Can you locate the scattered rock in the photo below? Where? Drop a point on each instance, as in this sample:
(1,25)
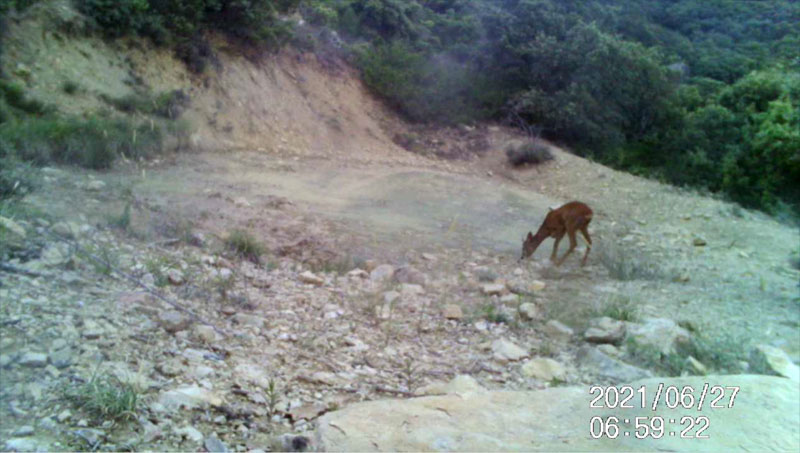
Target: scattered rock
(191,433)
(537,285)
(505,351)
(429,257)
(214,445)
(68,230)
(249,320)
(528,311)
(605,330)
(699,242)
(55,254)
(290,442)
(411,289)
(64,415)
(661,333)
(241,202)
(382,273)
(557,330)
(175,277)
(12,226)
(484,274)
(509,299)
(22,444)
(33,359)
(544,369)
(23,431)
(493,289)
(322,377)
(604,366)
(696,366)
(95,185)
(775,360)
(459,385)
(358,273)
(355,343)
(206,334)
(609,349)
(189,397)
(452,311)
(308,277)
(174,321)
(383,312)
(409,274)
(390,296)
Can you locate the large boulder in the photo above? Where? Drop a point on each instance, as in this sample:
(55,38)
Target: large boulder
(606,367)
(557,419)
(605,330)
(661,333)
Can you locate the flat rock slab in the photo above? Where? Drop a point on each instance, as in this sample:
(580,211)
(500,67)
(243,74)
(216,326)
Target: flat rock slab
(765,417)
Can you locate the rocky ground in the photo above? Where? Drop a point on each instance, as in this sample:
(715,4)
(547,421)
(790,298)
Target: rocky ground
(227,352)
(388,269)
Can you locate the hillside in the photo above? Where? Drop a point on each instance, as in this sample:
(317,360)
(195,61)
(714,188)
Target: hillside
(282,274)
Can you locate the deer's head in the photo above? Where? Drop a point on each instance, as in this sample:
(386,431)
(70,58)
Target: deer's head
(531,243)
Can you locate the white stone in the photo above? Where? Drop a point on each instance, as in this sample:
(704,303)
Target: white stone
(311,279)
(544,369)
(558,330)
(528,311)
(505,351)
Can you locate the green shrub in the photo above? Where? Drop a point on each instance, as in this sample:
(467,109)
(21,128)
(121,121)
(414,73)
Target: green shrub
(183,22)
(528,154)
(17,178)
(169,104)
(718,354)
(14,97)
(245,245)
(70,87)
(105,398)
(92,143)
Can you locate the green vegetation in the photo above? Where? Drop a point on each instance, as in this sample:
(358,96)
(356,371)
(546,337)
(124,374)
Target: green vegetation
(183,23)
(169,104)
(621,308)
(697,93)
(93,142)
(32,131)
(718,354)
(245,245)
(492,314)
(105,398)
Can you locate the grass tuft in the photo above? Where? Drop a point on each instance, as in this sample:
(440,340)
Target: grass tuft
(105,398)
(245,245)
(528,154)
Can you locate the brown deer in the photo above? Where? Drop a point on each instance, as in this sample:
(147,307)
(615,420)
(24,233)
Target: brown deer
(573,216)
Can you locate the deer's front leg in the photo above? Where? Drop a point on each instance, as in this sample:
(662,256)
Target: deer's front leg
(555,247)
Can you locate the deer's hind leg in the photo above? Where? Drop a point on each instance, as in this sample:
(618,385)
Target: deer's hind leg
(585,233)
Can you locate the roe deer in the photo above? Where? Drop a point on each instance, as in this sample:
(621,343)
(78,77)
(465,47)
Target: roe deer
(573,216)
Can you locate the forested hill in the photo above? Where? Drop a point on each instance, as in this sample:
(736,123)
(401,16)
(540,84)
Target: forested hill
(703,93)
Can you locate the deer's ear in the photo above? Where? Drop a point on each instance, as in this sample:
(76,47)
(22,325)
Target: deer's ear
(530,235)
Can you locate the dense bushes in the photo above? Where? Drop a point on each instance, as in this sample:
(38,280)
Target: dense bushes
(31,131)
(695,93)
(92,143)
(182,23)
